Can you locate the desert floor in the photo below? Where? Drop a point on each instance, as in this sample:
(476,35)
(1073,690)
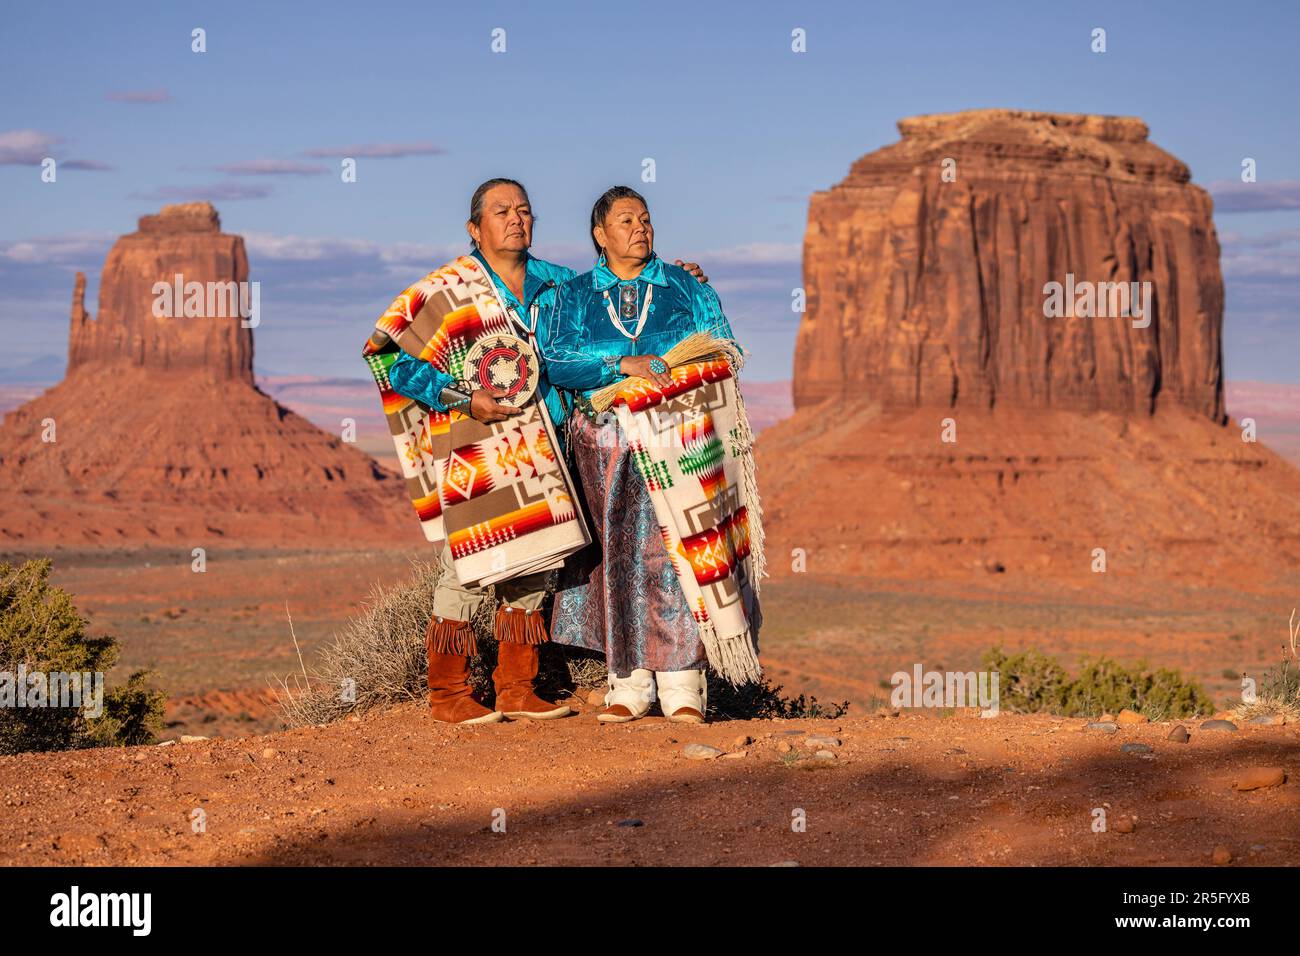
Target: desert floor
(394,788)
(945,787)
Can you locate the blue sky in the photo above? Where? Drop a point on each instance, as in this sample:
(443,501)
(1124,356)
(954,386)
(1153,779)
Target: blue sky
(741,130)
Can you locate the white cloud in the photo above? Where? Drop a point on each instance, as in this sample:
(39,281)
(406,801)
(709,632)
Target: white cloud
(57,250)
(22,146)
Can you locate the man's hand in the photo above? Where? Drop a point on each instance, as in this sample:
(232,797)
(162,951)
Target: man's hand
(640,365)
(484,407)
(694,269)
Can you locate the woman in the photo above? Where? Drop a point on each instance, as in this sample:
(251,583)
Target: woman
(616,321)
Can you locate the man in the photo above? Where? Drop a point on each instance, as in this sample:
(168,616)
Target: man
(500,225)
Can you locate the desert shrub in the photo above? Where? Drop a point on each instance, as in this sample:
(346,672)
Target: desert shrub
(380,658)
(41,631)
(1033,682)
(1028,682)
(761,700)
(1278,694)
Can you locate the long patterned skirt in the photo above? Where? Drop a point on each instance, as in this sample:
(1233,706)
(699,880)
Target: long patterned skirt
(620,595)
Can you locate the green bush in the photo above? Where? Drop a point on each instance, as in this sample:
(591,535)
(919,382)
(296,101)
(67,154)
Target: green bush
(41,630)
(1033,682)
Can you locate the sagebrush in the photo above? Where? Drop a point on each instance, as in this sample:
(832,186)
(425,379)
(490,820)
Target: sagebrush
(41,632)
(379,659)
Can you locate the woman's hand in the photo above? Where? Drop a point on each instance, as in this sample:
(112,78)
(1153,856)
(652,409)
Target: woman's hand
(640,365)
(484,407)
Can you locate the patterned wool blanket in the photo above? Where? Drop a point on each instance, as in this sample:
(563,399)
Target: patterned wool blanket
(500,494)
(693,445)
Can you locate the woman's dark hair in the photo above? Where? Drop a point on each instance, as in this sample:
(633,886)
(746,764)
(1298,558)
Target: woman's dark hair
(476,201)
(603,204)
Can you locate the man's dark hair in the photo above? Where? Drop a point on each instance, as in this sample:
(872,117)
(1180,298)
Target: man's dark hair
(476,201)
(603,204)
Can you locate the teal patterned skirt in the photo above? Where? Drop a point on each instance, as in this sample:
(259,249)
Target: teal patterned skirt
(620,595)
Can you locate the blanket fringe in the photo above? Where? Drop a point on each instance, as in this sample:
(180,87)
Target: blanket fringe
(733,657)
(749,494)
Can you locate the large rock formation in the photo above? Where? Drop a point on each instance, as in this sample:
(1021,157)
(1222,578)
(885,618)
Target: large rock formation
(182,241)
(926,270)
(945,426)
(158,433)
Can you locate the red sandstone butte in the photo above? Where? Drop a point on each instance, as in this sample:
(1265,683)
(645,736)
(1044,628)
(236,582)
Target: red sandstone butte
(162,436)
(945,427)
(923,291)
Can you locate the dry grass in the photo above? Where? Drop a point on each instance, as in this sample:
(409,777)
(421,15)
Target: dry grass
(379,658)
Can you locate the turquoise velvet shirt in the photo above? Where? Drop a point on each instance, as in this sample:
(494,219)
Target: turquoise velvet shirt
(419,380)
(581,343)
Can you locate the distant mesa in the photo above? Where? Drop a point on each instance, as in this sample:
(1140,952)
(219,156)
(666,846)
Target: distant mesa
(161,435)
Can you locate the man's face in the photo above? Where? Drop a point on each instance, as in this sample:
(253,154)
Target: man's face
(506,224)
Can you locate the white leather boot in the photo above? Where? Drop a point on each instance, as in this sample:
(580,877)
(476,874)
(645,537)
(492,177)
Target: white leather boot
(683,695)
(628,698)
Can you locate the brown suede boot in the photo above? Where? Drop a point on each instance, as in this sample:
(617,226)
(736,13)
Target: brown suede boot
(519,633)
(449,644)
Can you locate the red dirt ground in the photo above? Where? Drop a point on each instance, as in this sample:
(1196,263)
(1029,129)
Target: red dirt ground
(396,788)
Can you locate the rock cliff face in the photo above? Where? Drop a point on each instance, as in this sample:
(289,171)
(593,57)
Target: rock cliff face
(928,268)
(158,433)
(182,240)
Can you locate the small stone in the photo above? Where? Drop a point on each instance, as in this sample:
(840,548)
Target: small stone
(630,823)
(1106,726)
(1221,855)
(1179,735)
(744,740)
(701,752)
(1257,778)
(268,753)
(1135,749)
(1217,724)
(738,755)
(783,746)
(1124,825)
(191,739)
(1129,717)
(824,755)
(1105,718)
(887,712)
(786,863)
(822,740)
(597,697)
(167,743)
(1268,720)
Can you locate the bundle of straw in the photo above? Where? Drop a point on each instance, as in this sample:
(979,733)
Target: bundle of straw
(696,347)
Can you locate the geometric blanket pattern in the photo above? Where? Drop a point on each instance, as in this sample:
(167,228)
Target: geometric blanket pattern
(498,493)
(693,446)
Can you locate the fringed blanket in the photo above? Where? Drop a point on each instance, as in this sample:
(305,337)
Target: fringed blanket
(499,494)
(694,447)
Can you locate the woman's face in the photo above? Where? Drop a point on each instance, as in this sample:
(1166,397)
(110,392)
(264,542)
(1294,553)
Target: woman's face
(506,224)
(627,233)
